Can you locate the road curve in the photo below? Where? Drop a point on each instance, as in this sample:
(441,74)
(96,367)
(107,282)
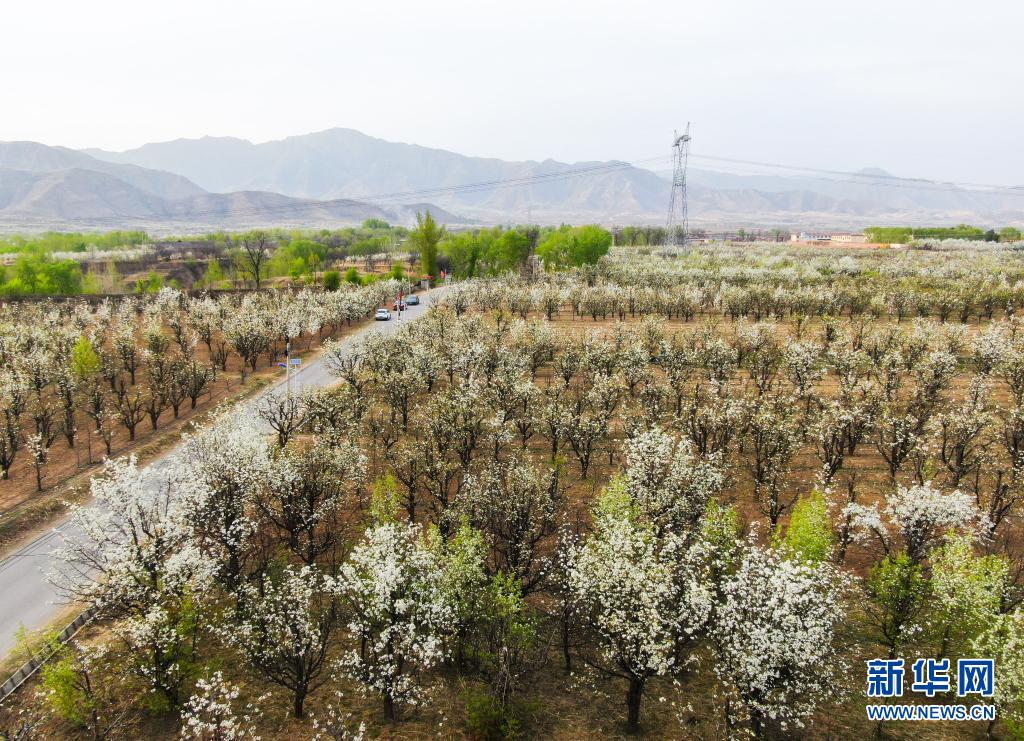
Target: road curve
(27,599)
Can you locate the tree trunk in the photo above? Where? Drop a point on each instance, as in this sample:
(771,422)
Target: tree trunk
(756,723)
(566,653)
(633,696)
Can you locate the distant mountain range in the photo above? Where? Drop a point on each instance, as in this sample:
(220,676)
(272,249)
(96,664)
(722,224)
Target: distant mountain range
(868,195)
(343,163)
(342,176)
(43,187)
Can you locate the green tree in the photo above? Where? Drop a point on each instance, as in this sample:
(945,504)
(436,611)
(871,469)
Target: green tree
(573,247)
(465,584)
(332,280)
(506,653)
(79,689)
(255,252)
(90,283)
(903,234)
(1003,641)
(510,251)
(424,239)
(809,535)
(84,360)
(969,591)
(297,258)
(384,500)
(365,247)
(38,273)
(153,283)
(214,274)
(464,251)
(720,530)
(897,594)
(28,271)
(62,277)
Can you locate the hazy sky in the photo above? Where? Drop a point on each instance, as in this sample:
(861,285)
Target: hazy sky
(931,88)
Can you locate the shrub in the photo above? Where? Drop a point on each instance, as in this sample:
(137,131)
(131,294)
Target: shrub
(488,720)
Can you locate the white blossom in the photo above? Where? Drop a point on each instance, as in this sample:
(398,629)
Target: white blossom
(774,631)
(919,516)
(391,584)
(210,713)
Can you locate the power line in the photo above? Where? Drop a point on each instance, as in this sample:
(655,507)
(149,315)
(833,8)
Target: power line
(506,182)
(882,180)
(391,197)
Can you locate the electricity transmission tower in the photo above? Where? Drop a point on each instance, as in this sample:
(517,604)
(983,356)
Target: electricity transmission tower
(677,218)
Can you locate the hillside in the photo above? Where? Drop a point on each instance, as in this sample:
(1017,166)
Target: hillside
(73,195)
(35,157)
(873,192)
(81,198)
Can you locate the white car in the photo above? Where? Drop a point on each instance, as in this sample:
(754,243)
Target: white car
(382,315)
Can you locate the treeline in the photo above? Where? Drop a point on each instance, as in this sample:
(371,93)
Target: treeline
(47,264)
(372,237)
(904,234)
(643,236)
(640,236)
(38,273)
(498,250)
(489,251)
(296,253)
(41,264)
(72,241)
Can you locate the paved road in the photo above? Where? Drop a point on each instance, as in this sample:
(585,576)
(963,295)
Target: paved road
(26,598)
